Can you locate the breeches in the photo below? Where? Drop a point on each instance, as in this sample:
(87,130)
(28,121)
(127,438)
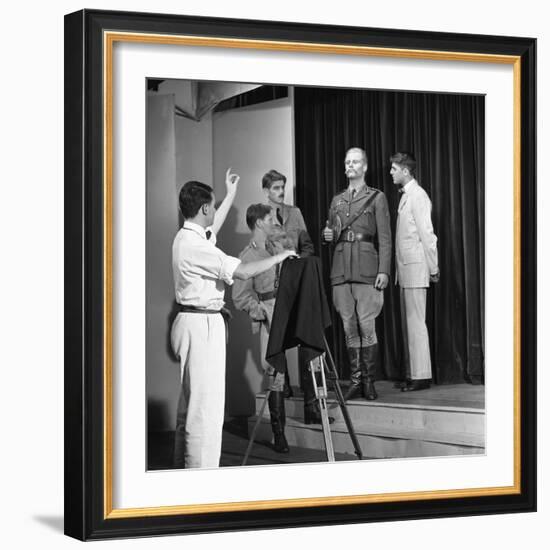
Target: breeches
(415,333)
(199,341)
(358,304)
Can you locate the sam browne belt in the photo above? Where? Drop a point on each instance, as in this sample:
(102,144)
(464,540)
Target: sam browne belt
(350,236)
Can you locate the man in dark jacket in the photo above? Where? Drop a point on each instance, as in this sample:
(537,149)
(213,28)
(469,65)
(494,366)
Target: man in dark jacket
(358,216)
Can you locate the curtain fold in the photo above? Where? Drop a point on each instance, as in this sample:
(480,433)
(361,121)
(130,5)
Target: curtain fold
(446,134)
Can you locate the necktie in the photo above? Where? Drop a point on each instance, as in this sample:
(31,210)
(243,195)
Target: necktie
(208,234)
(279,217)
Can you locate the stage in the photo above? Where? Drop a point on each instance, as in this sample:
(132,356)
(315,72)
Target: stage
(442,421)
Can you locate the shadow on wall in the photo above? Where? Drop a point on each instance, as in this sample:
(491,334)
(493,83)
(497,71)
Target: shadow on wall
(158,415)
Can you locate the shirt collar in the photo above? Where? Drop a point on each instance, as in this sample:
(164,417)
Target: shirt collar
(407,186)
(276,206)
(359,190)
(196,228)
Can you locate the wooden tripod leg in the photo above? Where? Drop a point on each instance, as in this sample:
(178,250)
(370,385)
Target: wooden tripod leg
(321,395)
(256,425)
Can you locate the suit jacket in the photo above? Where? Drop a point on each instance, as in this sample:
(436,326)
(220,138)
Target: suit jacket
(359,261)
(295,227)
(415,242)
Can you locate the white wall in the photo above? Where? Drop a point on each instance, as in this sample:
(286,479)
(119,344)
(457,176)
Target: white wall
(179,150)
(162,224)
(251,140)
(31,226)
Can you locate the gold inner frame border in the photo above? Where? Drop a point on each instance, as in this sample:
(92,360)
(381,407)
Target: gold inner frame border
(109,40)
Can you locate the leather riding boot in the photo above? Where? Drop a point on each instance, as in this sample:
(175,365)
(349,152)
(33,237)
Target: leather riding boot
(288,388)
(368,368)
(276,404)
(312,413)
(355,389)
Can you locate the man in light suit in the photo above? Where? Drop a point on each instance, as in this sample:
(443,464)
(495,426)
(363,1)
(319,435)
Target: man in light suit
(416,267)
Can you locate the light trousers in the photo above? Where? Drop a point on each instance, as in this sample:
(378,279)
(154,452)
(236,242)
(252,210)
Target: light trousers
(358,304)
(199,341)
(415,333)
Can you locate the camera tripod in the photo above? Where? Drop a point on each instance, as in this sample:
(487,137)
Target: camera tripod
(320,370)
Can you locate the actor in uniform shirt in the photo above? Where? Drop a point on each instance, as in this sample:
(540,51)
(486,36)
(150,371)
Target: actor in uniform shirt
(201,271)
(286,216)
(359,273)
(416,266)
(256,297)
(290,219)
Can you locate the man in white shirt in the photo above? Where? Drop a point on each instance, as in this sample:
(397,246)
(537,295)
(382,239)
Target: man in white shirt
(416,266)
(201,271)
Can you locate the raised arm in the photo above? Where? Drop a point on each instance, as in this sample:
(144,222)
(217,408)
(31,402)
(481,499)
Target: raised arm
(231,184)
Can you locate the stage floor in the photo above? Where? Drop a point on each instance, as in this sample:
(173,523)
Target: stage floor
(452,395)
(456,397)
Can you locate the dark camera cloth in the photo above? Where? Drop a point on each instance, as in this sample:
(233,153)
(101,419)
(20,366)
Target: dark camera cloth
(301,313)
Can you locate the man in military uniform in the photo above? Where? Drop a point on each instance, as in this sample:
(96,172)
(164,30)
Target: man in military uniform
(359,272)
(286,216)
(290,219)
(257,298)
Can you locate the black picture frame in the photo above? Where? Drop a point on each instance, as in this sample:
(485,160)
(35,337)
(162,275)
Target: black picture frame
(87,512)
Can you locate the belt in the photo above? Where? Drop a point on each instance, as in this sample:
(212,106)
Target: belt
(192,309)
(350,236)
(224,312)
(263,296)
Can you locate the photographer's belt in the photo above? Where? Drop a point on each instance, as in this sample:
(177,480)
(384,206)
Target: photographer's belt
(192,309)
(224,312)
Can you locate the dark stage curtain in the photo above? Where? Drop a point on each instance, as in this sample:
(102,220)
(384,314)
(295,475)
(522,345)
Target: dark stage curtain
(446,134)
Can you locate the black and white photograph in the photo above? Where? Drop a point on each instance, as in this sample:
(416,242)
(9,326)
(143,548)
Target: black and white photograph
(315,274)
(299,275)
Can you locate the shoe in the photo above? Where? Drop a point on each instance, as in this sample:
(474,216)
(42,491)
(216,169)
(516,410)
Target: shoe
(312,415)
(280,444)
(401,383)
(354,392)
(370,391)
(276,403)
(417,385)
(368,369)
(356,389)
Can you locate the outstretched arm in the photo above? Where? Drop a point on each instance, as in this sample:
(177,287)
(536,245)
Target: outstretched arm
(231,184)
(247,270)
